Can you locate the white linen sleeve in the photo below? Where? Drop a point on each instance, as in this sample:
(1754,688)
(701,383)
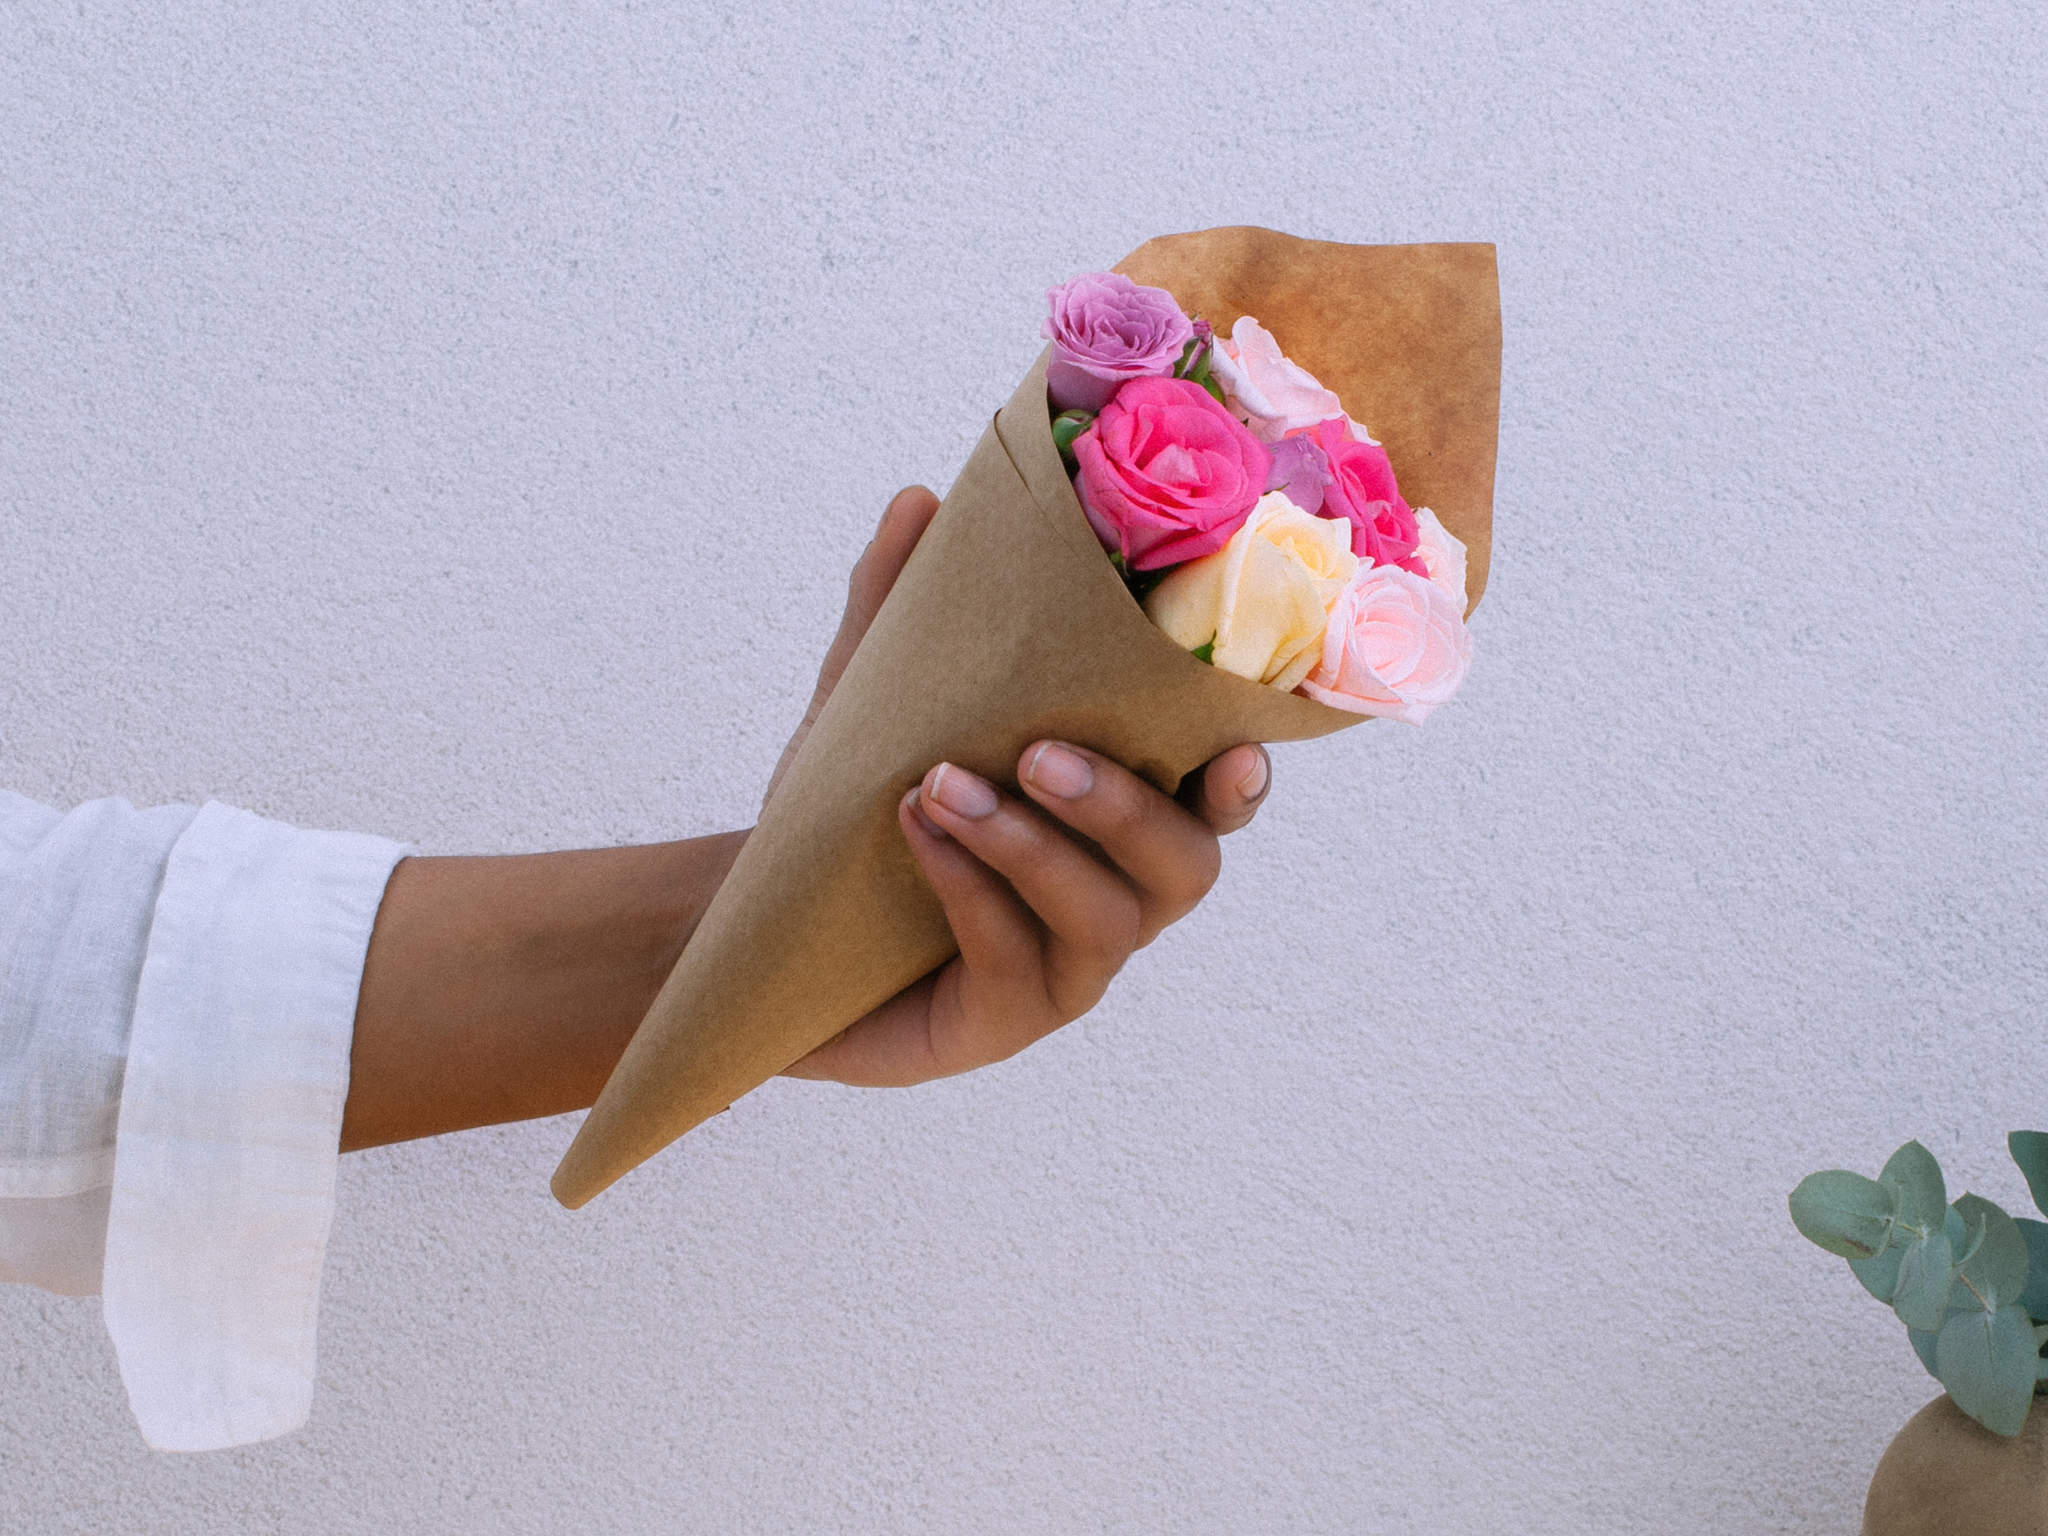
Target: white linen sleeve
(76,893)
(177,1002)
(230,1124)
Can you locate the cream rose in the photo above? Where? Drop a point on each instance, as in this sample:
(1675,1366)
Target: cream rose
(1262,600)
(1444,553)
(1273,395)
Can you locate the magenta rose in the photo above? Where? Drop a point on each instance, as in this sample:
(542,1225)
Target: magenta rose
(1396,645)
(1362,490)
(1167,474)
(1106,329)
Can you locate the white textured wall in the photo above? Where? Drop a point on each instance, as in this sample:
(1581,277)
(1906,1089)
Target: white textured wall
(456,422)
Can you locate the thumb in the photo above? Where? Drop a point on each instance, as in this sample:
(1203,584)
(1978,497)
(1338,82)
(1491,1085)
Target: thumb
(903,523)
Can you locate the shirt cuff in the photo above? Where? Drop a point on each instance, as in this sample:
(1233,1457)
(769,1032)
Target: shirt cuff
(230,1124)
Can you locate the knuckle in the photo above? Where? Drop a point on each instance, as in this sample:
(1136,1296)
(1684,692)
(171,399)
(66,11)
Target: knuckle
(1116,930)
(1073,997)
(1126,816)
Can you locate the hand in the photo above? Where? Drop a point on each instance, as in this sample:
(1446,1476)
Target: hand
(1047,896)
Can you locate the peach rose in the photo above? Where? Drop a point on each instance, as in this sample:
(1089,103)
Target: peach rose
(1274,395)
(1396,646)
(1261,602)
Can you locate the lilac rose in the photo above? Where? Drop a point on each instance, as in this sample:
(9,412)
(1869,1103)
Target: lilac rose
(1301,471)
(1106,330)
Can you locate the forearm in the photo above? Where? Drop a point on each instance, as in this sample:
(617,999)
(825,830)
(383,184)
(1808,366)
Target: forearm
(502,989)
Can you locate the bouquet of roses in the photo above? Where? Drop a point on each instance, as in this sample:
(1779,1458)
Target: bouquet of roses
(1261,527)
(1266,581)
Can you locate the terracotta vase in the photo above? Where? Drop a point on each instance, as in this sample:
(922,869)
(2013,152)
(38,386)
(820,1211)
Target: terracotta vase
(1947,1475)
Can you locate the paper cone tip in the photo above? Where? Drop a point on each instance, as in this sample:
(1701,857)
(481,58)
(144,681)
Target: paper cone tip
(573,1186)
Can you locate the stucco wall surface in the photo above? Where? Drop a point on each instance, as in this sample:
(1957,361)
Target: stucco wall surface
(456,421)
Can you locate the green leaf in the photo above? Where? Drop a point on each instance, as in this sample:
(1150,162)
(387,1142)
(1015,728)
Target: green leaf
(2035,1297)
(1915,1177)
(2030,1150)
(1067,426)
(1880,1275)
(1987,1362)
(1991,1271)
(1927,1274)
(1206,651)
(1923,1346)
(1843,1212)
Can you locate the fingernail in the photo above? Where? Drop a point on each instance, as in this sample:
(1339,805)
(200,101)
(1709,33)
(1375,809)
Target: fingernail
(915,800)
(962,793)
(1059,772)
(1253,784)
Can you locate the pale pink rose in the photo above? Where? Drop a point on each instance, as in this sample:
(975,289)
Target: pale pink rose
(1442,554)
(1274,396)
(1396,646)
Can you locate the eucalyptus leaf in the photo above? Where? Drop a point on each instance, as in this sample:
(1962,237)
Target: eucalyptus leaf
(1972,1230)
(1923,1346)
(2035,1297)
(1845,1213)
(1880,1273)
(1927,1274)
(2030,1150)
(1915,1177)
(1991,1272)
(1987,1362)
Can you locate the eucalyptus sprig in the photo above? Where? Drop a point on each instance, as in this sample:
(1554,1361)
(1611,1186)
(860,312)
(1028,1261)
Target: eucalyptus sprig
(1969,1282)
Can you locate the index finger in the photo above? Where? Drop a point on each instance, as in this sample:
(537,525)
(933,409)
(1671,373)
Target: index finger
(1166,851)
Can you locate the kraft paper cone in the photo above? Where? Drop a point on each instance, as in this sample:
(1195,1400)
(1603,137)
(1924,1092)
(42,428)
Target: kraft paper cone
(1009,624)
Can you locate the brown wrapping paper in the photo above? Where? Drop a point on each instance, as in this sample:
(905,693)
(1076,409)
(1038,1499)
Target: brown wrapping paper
(1009,624)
